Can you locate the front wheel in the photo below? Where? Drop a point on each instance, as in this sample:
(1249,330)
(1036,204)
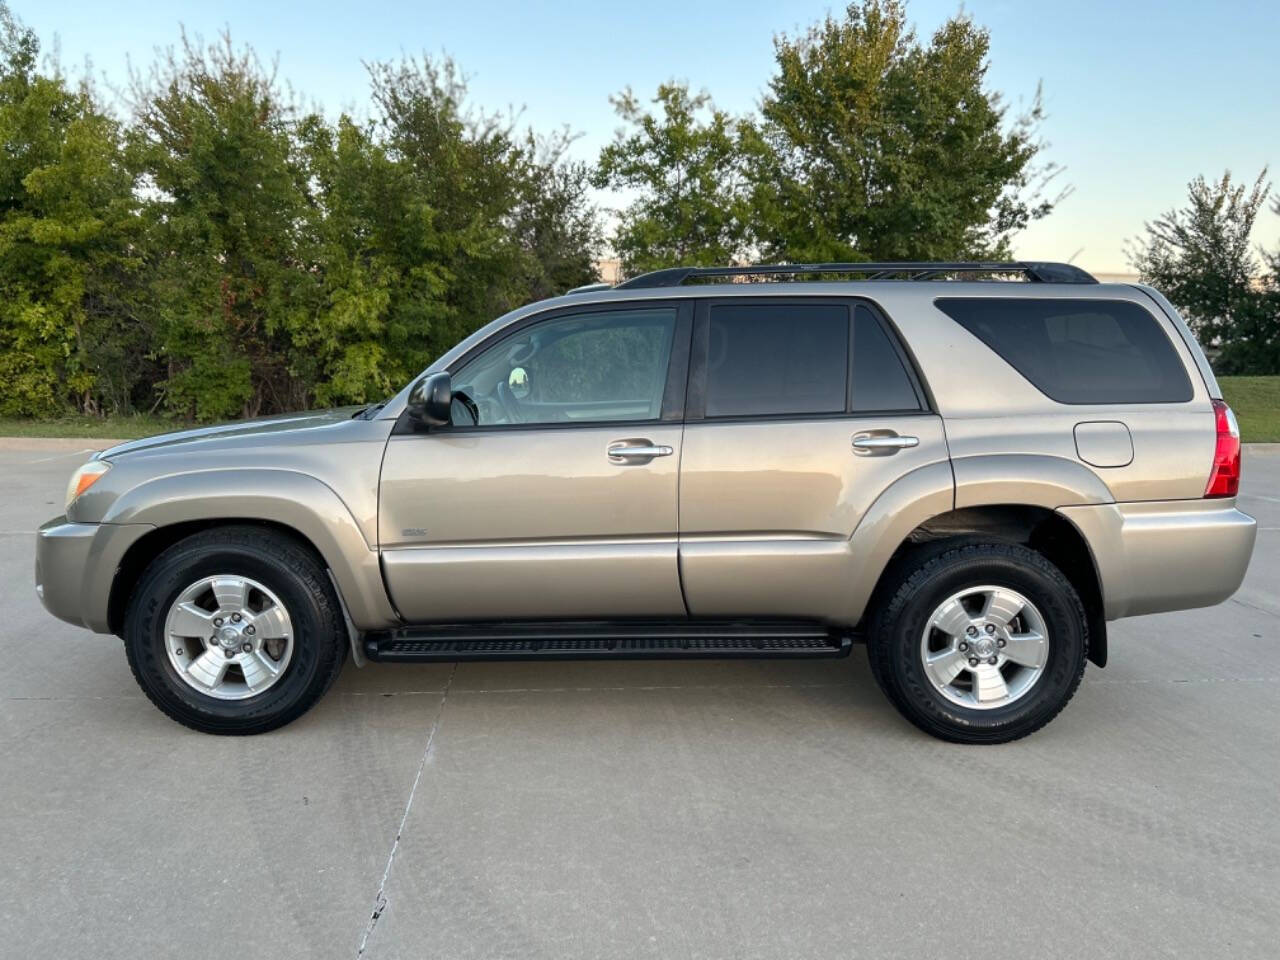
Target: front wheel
(235,630)
(983,643)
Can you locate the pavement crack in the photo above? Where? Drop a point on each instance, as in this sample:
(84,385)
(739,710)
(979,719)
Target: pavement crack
(380,901)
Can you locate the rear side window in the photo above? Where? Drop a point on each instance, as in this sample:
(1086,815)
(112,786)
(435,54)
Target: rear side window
(784,358)
(880,381)
(1078,351)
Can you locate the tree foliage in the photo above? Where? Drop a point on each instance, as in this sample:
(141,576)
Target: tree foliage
(868,145)
(876,146)
(687,167)
(68,277)
(1201,257)
(215,144)
(224,252)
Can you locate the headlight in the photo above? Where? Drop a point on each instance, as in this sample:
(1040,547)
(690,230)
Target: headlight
(85,477)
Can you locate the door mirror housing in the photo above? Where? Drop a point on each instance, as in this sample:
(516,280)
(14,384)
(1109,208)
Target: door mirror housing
(430,400)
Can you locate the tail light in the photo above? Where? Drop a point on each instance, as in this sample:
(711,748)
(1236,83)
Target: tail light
(1224,478)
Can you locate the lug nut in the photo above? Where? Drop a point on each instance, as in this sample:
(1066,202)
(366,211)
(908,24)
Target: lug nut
(963,646)
(251,629)
(973,661)
(1001,642)
(972,631)
(235,617)
(230,653)
(246,647)
(992,661)
(217,621)
(990,628)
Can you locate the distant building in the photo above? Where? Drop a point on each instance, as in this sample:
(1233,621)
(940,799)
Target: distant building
(610,270)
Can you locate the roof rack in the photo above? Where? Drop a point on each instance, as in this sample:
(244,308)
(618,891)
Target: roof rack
(590,288)
(1034,271)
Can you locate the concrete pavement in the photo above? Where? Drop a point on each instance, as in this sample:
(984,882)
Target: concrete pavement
(654,810)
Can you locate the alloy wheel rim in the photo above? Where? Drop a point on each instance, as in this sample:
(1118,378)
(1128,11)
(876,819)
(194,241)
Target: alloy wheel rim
(985,647)
(228,637)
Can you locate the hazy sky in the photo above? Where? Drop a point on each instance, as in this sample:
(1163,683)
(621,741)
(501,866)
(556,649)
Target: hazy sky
(1141,96)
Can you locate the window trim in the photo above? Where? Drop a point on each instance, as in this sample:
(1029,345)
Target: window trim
(673,391)
(696,396)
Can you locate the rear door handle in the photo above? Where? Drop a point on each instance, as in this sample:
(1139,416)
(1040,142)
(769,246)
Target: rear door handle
(637,451)
(870,443)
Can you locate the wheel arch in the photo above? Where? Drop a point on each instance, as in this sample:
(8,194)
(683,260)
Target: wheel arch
(295,504)
(1037,527)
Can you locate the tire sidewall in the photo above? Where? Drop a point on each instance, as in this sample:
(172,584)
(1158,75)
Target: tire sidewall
(145,635)
(1064,620)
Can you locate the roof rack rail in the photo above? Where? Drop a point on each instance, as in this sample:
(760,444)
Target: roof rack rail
(589,288)
(1034,271)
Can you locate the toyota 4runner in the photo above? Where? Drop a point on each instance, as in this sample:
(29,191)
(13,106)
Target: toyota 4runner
(969,467)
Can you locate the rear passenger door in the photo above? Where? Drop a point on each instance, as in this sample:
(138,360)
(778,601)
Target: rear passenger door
(801,411)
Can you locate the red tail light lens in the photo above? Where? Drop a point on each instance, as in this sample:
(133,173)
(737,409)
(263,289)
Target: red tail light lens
(1224,479)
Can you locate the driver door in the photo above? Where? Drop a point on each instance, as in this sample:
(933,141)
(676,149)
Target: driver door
(553,493)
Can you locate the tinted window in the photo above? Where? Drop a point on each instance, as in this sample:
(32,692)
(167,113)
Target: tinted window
(880,381)
(1079,351)
(587,367)
(780,358)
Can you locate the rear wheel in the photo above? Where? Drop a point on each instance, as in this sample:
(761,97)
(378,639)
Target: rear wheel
(982,643)
(235,630)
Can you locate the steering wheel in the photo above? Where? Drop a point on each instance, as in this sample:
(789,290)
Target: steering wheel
(510,405)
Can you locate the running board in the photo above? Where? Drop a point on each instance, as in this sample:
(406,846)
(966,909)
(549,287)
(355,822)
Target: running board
(637,640)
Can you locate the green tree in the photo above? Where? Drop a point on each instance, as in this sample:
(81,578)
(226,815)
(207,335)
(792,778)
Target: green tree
(1201,257)
(432,219)
(555,224)
(873,145)
(227,248)
(68,281)
(686,168)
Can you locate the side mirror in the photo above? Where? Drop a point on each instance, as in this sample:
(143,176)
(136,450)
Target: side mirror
(430,400)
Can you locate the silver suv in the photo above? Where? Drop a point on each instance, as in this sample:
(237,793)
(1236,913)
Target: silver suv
(969,467)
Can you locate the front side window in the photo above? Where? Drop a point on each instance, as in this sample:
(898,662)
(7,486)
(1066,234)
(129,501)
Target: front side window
(777,359)
(1078,351)
(585,368)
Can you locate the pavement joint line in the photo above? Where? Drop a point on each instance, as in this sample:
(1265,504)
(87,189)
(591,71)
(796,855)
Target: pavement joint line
(56,456)
(380,901)
(1252,606)
(1138,680)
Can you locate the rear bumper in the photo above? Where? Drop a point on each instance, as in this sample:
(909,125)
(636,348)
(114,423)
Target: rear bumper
(1166,555)
(76,564)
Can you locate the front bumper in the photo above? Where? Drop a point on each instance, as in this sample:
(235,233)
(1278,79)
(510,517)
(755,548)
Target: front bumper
(1166,555)
(76,564)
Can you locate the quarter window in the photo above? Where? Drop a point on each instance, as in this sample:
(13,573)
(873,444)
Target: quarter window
(880,381)
(584,368)
(777,359)
(1078,351)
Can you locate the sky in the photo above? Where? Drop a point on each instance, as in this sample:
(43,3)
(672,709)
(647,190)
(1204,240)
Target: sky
(1141,96)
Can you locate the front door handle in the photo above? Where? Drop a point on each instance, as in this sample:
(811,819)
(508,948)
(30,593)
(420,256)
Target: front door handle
(637,451)
(872,443)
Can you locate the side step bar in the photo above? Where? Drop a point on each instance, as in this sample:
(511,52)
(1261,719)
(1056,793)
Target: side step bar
(595,640)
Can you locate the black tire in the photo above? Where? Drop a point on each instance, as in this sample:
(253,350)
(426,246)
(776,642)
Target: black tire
(286,566)
(918,587)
